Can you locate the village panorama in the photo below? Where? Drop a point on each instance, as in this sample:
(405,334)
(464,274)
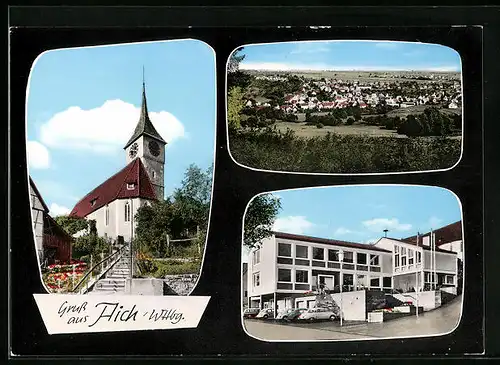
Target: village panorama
(419,114)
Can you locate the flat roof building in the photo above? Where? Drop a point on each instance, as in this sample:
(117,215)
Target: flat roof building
(286,266)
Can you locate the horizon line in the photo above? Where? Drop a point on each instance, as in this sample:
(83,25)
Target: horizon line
(352,70)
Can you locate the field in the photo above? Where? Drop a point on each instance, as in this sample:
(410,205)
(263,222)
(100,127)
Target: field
(331,141)
(359,75)
(308,131)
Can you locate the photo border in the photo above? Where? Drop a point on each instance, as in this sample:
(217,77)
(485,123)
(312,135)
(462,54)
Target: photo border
(347,173)
(214,141)
(361,339)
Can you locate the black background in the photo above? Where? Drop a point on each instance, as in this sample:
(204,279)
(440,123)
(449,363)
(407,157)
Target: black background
(220,331)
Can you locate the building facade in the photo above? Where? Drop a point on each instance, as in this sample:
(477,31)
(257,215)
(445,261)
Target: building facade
(38,210)
(288,266)
(114,203)
(52,243)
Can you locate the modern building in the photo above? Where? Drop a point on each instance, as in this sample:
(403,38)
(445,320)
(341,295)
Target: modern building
(288,266)
(114,203)
(245,286)
(447,238)
(53,244)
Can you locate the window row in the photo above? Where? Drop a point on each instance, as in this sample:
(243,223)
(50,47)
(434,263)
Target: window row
(318,253)
(407,259)
(285,275)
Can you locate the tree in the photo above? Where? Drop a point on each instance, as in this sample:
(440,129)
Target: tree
(87,244)
(182,215)
(235,105)
(72,224)
(259,219)
(235,77)
(235,60)
(412,127)
(192,200)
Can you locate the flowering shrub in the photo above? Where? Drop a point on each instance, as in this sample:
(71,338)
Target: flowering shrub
(145,263)
(60,278)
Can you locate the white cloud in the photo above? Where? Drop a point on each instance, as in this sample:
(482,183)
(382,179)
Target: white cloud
(104,129)
(38,155)
(56,209)
(281,66)
(435,222)
(379,224)
(293,224)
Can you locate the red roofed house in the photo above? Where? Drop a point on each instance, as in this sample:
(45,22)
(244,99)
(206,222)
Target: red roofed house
(114,203)
(52,243)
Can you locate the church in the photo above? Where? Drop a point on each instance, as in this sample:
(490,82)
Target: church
(114,203)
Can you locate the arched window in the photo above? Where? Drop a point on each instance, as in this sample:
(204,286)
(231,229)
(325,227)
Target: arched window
(127,212)
(107,215)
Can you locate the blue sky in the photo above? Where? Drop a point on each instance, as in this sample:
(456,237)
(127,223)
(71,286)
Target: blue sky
(358,55)
(83,105)
(361,213)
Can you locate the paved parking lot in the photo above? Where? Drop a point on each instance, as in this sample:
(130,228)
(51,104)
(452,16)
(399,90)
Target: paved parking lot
(436,322)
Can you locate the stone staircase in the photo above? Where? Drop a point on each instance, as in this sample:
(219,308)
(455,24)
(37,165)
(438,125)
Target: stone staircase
(114,280)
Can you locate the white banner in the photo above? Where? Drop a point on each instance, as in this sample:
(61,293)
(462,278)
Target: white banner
(63,313)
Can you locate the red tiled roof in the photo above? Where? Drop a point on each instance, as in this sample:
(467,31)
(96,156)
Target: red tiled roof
(451,232)
(116,188)
(297,237)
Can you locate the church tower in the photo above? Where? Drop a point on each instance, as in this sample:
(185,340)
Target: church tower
(147,144)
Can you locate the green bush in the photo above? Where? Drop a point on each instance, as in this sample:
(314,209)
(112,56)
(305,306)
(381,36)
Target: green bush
(319,125)
(169,268)
(273,150)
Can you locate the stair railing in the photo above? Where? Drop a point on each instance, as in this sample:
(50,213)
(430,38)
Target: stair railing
(99,269)
(394,291)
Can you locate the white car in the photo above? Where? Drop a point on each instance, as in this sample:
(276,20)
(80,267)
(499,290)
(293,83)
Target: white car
(266,313)
(314,314)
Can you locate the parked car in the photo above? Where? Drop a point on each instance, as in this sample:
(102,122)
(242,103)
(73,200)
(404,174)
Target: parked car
(291,314)
(266,313)
(314,314)
(251,312)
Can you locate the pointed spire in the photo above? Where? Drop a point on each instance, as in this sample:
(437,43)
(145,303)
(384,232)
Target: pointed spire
(144,125)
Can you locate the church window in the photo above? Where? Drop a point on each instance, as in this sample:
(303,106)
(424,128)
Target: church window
(153,173)
(127,212)
(107,215)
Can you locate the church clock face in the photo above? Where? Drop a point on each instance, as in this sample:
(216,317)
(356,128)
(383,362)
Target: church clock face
(133,150)
(154,148)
